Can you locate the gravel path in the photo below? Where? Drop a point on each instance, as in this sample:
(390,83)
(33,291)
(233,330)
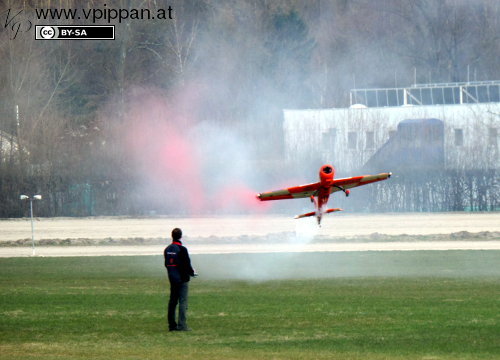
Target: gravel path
(249,248)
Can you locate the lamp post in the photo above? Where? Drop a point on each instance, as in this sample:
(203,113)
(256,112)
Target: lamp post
(35,197)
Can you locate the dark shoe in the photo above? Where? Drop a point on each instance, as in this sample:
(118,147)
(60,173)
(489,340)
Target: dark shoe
(173,329)
(185,329)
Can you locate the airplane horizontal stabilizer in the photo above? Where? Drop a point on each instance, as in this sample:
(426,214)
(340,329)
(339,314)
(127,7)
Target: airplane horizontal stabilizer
(333,210)
(312,213)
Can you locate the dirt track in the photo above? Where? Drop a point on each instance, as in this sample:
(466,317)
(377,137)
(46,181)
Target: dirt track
(244,228)
(333,225)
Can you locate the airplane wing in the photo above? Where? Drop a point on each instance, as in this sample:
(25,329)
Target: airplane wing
(294,192)
(355,181)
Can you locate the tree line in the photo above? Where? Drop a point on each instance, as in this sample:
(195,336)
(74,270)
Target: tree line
(67,107)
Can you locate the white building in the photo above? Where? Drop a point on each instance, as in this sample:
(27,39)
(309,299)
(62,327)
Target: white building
(349,137)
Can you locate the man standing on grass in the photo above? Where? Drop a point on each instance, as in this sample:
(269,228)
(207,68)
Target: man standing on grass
(179,270)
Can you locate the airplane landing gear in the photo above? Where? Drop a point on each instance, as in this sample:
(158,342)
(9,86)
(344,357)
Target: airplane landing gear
(346,192)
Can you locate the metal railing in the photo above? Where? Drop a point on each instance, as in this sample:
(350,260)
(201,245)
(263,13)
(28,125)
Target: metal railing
(429,94)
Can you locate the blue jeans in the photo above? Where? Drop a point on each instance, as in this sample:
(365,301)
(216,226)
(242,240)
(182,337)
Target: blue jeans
(178,295)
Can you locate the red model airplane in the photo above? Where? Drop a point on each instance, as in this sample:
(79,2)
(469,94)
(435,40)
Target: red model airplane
(322,190)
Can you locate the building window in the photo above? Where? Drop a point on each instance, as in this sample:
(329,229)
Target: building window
(329,139)
(370,140)
(459,137)
(352,139)
(493,137)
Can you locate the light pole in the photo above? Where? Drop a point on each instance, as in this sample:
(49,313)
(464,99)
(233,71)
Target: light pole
(35,197)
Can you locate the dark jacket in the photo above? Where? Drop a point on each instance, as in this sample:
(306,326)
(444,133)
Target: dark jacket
(177,262)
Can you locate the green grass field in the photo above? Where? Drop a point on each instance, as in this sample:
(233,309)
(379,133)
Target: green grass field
(115,308)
